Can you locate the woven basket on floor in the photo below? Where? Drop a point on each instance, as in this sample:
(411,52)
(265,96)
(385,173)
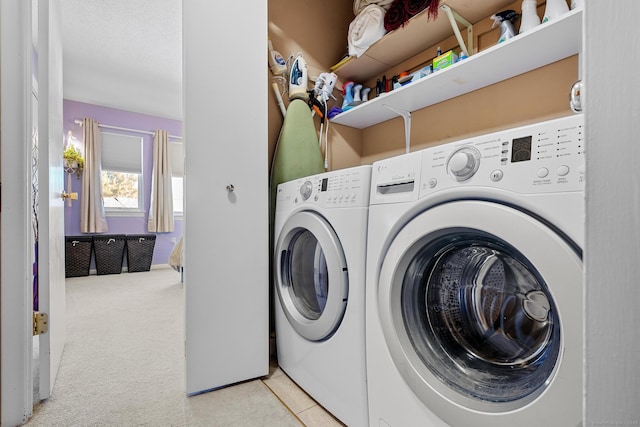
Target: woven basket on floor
(77,255)
(109,252)
(140,251)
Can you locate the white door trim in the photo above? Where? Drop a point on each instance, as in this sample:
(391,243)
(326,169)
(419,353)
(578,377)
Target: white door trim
(16,299)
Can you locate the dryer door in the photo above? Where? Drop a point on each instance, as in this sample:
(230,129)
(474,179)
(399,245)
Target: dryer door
(311,276)
(480,305)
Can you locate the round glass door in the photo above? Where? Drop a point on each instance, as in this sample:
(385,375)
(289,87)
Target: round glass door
(311,276)
(475,302)
(480,317)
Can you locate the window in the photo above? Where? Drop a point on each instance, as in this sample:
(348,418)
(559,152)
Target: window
(121,173)
(177,183)
(176,158)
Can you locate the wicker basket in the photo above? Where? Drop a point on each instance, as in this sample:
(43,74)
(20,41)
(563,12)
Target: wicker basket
(77,254)
(109,252)
(140,251)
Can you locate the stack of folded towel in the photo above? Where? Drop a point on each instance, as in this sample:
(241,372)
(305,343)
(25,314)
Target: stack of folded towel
(375,18)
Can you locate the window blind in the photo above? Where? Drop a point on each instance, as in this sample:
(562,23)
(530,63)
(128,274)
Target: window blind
(176,158)
(121,153)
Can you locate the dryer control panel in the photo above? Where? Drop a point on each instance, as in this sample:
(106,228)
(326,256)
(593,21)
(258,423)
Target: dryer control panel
(539,158)
(337,189)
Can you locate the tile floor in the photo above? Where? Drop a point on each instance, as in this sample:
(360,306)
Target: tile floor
(303,407)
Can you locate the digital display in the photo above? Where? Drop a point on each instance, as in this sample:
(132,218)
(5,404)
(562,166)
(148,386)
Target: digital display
(521,149)
(325,183)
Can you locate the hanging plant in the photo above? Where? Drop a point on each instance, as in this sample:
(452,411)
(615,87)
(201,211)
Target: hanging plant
(73,161)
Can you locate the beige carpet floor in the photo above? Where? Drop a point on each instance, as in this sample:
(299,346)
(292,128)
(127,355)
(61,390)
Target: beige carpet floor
(123,363)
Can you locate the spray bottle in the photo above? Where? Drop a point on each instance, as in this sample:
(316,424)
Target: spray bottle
(347,91)
(505,19)
(276,61)
(530,18)
(554,8)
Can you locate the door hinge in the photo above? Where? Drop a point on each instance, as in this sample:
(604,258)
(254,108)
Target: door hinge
(40,323)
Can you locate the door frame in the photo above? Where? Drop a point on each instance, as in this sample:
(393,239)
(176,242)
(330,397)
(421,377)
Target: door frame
(16,300)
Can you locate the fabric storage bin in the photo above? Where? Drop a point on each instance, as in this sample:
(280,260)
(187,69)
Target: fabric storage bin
(140,251)
(109,253)
(77,255)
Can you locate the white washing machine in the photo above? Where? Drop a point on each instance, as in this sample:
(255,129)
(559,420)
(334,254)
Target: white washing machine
(475,281)
(319,267)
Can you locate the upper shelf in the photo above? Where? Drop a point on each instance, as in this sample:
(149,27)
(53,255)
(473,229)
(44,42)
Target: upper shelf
(545,44)
(418,34)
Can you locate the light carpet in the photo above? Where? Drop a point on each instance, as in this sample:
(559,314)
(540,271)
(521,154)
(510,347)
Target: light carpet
(123,363)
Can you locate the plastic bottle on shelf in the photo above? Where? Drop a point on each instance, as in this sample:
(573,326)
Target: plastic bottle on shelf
(554,9)
(530,18)
(276,61)
(505,20)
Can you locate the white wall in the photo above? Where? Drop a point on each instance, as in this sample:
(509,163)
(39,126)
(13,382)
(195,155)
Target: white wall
(612,257)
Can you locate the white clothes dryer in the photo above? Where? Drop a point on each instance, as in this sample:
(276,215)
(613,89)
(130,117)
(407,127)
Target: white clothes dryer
(475,281)
(319,267)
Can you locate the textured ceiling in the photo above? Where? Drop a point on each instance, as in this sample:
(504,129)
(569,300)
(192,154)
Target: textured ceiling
(124,54)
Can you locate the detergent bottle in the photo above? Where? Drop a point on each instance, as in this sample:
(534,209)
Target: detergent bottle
(276,61)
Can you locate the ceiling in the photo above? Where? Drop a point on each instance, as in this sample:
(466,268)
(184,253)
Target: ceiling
(124,54)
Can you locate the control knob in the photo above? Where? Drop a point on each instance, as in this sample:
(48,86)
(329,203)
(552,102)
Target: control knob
(463,163)
(306,189)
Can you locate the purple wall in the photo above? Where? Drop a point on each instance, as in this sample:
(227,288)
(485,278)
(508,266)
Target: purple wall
(122,225)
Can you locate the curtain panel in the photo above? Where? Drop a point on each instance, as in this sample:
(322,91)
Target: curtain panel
(92,216)
(161,208)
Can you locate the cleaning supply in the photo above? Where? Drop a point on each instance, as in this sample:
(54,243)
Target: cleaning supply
(364,94)
(444,60)
(505,19)
(554,9)
(530,18)
(298,79)
(356,94)
(276,62)
(347,91)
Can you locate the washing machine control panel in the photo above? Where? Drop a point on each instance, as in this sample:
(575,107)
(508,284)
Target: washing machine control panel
(538,158)
(341,188)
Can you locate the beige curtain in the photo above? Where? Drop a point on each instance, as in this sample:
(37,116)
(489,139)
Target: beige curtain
(92,217)
(161,208)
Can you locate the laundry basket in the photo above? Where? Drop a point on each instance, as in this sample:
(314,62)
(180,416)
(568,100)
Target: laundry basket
(140,251)
(109,252)
(77,255)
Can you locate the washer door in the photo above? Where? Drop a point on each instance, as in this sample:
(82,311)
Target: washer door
(311,276)
(480,306)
